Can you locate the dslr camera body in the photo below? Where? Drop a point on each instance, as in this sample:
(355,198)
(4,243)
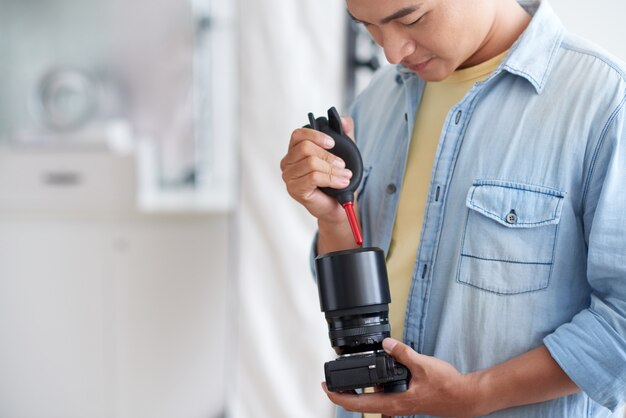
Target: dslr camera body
(354,296)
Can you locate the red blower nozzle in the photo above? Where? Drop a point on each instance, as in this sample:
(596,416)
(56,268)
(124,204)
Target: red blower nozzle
(354,223)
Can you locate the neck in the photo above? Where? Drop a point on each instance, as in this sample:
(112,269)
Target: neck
(509,23)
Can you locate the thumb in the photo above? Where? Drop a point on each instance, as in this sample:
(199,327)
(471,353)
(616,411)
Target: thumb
(348,126)
(400,352)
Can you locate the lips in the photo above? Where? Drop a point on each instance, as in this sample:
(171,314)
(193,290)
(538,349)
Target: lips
(420,66)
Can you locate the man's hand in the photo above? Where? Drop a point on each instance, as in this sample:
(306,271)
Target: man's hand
(436,388)
(308,165)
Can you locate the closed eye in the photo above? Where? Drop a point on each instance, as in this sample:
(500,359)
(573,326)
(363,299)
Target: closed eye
(416,21)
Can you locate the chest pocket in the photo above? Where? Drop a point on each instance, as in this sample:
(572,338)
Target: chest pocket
(510,235)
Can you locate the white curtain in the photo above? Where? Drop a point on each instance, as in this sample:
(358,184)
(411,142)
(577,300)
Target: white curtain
(291,63)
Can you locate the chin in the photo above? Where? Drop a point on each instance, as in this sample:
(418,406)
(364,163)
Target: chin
(434,72)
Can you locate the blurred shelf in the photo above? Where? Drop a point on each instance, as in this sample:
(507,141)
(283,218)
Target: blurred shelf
(66,179)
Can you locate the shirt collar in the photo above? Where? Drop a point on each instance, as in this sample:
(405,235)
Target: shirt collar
(531,56)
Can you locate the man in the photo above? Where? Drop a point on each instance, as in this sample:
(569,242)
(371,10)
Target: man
(495,168)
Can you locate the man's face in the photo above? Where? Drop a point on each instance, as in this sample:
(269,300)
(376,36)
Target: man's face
(431,37)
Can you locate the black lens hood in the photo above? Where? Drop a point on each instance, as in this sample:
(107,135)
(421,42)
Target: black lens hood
(352,278)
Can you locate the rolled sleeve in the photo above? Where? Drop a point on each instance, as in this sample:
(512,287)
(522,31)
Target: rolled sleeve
(592,354)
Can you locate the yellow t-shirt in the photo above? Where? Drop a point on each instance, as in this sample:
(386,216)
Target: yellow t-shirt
(437,100)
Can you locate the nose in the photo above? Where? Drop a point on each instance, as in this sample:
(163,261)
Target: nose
(397,45)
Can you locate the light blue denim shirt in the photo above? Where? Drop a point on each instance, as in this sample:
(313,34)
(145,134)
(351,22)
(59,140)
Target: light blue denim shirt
(524,234)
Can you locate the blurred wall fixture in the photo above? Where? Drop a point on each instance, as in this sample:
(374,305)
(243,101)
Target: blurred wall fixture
(153,80)
(67,98)
(206,181)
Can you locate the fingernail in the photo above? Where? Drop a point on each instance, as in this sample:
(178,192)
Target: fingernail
(389,344)
(345,173)
(338,162)
(344,182)
(329,142)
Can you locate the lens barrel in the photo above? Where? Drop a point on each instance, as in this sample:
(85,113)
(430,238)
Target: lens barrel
(354,295)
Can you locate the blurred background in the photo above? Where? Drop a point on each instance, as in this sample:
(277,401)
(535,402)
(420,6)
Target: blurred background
(151,262)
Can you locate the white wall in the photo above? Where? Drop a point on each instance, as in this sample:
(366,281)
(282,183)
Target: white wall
(105,312)
(601,21)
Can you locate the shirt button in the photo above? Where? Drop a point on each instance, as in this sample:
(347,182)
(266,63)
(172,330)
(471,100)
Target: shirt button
(458,117)
(399,79)
(391,188)
(406,117)
(511,217)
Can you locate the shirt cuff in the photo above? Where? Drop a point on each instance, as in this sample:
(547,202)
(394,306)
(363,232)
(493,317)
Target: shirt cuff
(593,355)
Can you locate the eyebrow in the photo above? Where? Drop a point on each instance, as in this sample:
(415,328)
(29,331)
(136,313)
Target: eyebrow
(397,15)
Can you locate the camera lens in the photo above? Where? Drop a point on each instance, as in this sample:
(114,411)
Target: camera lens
(354,296)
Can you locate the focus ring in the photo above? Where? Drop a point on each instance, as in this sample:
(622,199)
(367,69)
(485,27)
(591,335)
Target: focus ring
(358,331)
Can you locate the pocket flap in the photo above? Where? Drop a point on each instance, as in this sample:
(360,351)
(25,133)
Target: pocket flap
(515,205)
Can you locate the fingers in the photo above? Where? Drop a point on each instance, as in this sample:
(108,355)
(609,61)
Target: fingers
(313,164)
(363,402)
(305,149)
(310,164)
(304,188)
(401,352)
(307,167)
(318,138)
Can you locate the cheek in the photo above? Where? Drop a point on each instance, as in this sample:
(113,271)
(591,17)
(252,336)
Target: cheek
(430,39)
(448,43)
(469,25)
(448,29)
